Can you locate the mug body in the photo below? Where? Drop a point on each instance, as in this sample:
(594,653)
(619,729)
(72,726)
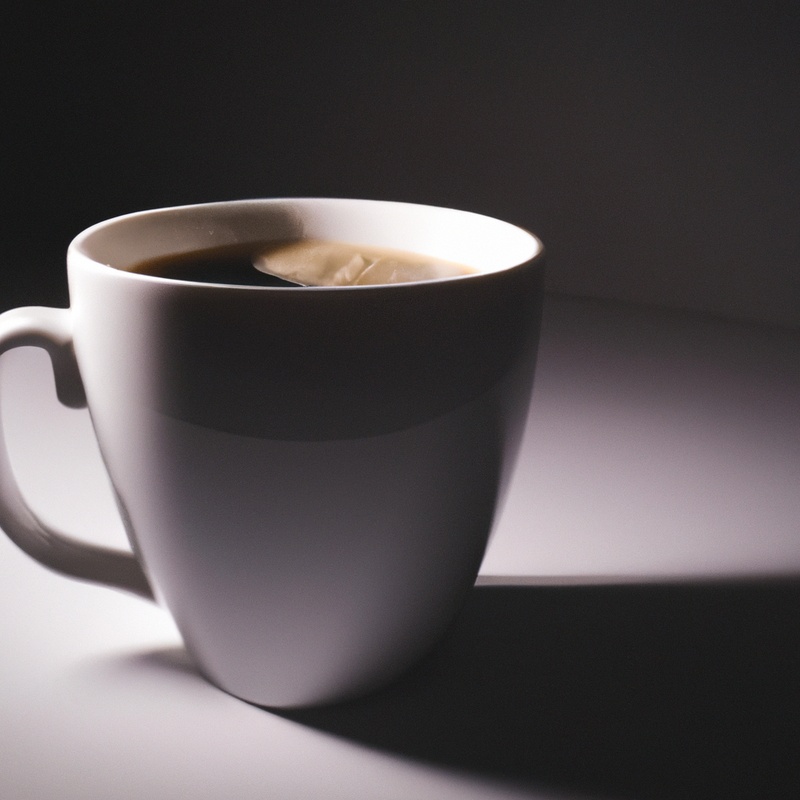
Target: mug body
(308,476)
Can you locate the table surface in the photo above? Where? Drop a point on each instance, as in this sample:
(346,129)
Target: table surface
(634,631)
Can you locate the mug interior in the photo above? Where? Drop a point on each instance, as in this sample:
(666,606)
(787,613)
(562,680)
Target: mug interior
(483,243)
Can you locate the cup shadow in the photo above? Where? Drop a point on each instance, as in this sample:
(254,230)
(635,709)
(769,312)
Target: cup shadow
(614,690)
(676,690)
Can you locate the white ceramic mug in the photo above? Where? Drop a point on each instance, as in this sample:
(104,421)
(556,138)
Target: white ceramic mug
(308,476)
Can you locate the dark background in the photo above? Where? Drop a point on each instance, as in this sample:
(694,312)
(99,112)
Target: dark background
(654,146)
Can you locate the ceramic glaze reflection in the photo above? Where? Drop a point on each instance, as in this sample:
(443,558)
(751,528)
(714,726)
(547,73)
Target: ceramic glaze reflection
(364,547)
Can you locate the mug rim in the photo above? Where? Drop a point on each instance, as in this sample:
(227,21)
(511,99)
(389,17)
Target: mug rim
(79,254)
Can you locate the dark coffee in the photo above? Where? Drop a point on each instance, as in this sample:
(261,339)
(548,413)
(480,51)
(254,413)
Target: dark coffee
(306,262)
(230,264)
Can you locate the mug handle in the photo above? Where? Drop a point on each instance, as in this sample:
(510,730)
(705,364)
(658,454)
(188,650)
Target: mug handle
(51,329)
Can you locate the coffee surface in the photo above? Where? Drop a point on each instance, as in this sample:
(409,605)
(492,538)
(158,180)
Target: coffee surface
(308,262)
(322,263)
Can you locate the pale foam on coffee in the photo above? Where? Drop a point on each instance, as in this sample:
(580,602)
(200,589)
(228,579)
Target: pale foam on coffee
(314,262)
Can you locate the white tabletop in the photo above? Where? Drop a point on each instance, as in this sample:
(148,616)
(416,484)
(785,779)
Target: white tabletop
(635,633)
